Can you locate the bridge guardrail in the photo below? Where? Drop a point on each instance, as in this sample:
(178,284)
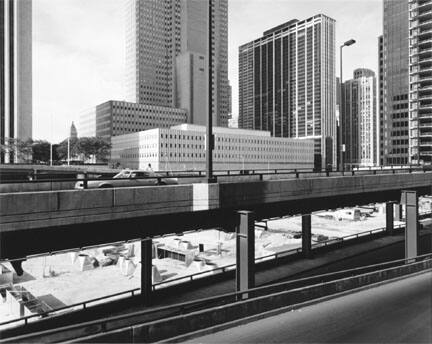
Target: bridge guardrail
(192,277)
(297,173)
(295,287)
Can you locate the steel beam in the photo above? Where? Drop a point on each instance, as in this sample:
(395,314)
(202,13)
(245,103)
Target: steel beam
(146,271)
(389,218)
(245,273)
(307,236)
(410,199)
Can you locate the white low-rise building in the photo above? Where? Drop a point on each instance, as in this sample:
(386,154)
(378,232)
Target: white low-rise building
(183,147)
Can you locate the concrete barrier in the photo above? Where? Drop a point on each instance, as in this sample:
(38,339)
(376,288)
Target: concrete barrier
(243,194)
(36,186)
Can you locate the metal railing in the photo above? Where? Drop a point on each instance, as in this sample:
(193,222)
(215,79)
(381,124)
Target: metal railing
(260,173)
(121,321)
(192,277)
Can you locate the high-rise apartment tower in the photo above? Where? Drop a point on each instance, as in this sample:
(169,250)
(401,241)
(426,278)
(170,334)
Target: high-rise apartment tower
(15,72)
(420,79)
(287,83)
(359,119)
(167,56)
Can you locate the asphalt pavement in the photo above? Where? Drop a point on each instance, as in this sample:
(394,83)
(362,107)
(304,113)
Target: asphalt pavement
(397,312)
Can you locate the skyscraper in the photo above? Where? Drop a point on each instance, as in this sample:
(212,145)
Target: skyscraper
(420,64)
(394,100)
(287,83)
(359,119)
(167,56)
(15,72)
(380,147)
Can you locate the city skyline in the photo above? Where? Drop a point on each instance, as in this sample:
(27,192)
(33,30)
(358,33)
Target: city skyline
(64,43)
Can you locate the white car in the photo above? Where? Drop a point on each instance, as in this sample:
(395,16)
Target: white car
(129,178)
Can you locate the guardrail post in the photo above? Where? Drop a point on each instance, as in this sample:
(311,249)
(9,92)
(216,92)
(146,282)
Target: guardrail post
(146,271)
(410,199)
(307,236)
(389,218)
(245,272)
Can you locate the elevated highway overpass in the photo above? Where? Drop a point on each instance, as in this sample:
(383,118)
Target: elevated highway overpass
(35,222)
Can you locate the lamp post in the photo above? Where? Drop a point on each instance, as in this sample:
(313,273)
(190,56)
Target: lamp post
(341,145)
(51,146)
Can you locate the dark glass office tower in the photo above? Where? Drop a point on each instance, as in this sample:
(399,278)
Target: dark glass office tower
(394,133)
(287,83)
(380,147)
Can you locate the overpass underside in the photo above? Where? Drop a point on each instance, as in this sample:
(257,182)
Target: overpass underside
(38,222)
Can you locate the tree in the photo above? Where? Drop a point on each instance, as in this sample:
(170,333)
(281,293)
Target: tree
(94,146)
(17,149)
(41,151)
(62,149)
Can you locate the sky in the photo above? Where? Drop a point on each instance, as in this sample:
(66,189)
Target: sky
(79,49)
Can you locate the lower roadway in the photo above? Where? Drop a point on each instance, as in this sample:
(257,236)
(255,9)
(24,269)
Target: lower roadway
(397,312)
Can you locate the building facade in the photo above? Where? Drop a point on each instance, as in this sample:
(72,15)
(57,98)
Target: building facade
(394,132)
(115,118)
(87,123)
(287,83)
(73,131)
(167,56)
(420,81)
(380,150)
(359,119)
(183,148)
(15,72)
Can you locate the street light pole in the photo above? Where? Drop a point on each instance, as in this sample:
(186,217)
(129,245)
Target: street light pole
(51,147)
(341,144)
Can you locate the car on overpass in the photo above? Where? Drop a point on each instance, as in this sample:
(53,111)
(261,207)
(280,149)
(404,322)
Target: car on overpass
(129,178)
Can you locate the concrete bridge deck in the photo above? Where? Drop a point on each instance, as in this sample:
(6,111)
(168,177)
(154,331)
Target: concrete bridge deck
(34,222)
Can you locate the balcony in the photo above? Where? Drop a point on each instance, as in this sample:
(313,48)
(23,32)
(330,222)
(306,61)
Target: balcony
(422,33)
(426,42)
(425,23)
(425,96)
(425,106)
(425,14)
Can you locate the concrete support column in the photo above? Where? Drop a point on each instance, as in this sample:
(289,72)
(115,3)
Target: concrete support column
(389,218)
(245,273)
(410,199)
(146,271)
(307,235)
